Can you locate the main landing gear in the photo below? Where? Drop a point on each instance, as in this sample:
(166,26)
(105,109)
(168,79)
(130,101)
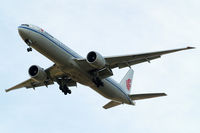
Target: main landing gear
(97,81)
(63,85)
(65,89)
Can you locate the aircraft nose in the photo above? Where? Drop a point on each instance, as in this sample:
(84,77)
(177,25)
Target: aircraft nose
(24,33)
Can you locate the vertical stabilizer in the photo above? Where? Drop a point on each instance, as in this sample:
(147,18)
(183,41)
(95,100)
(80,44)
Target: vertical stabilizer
(126,82)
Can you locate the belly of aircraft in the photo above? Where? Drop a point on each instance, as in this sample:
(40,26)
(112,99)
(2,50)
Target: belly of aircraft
(64,60)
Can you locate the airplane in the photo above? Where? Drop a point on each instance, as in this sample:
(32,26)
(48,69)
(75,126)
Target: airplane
(93,71)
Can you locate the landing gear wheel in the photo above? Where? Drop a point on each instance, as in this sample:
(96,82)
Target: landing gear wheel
(29,49)
(65,89)
(69,91)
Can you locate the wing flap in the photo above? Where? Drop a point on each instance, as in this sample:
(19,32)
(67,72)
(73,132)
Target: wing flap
(133,62)
(146,96)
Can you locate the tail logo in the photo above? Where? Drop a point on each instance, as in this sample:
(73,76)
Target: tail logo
(128,84)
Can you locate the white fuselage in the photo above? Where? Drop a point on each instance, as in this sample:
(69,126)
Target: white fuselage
(64,57)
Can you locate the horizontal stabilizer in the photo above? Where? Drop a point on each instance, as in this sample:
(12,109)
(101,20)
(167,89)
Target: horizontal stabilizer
(111,104)
(146,96)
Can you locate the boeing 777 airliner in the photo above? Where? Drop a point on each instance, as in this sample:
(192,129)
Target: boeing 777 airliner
(94,71)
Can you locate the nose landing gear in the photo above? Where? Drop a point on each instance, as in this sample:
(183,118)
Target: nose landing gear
(28,42)
(29,49)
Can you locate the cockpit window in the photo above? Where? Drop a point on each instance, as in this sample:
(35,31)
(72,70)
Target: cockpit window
(25,25)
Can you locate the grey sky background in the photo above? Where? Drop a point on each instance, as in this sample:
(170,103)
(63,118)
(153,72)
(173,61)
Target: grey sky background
(112,28)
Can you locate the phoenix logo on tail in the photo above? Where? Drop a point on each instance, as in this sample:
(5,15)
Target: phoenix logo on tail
(128,84)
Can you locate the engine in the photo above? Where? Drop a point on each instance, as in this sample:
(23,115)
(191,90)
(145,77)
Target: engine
(96,60)
(37,73)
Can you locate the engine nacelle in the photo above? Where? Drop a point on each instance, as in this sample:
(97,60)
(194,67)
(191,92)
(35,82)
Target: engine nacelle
(37,73)
(96,60)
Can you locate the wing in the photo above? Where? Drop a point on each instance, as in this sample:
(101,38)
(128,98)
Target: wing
(146,96)
(30,83)
(53,73)
(126,60)
(129,60)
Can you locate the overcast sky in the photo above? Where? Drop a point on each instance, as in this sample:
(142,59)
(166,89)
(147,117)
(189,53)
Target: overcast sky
(114,27)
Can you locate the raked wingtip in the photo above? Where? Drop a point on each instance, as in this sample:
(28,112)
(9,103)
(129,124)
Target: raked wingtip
(190,47)
(7,90)
(164,94)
